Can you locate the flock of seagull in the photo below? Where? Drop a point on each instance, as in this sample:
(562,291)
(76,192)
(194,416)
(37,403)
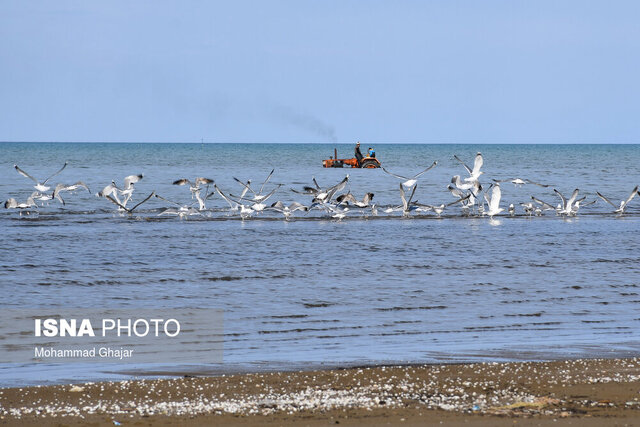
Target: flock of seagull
(470,196)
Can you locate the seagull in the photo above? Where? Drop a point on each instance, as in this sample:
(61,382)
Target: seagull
(13,204)
(63,187)
(127,191)
(287,211)
(623,204)
(194,186)
(459,184)
(257,204)
(529,208)
(475,172)
(439,209)
(181,210)
(512,210)
(407,207)
(112,189)
(40,186)
(108,190)
(245,211)
(257,196)
(578,204)
(309,189)
(346,198)
(456,192)
(233,205)
(528,181)
(566,208)
(544,206)
(247,187)
(130,211)
(494,201)
(202,202)
(335,211)
(43,197)
(519,182)
(325,196)
(410,182)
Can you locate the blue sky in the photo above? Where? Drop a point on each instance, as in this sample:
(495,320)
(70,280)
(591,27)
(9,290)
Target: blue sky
(320,71)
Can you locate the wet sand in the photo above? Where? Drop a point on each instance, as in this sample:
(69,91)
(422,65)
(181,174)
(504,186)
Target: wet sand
(577,392)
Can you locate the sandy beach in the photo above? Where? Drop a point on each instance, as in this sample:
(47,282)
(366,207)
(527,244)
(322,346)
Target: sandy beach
(575,392)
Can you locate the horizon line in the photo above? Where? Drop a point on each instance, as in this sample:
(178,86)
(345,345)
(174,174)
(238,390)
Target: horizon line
(319,143)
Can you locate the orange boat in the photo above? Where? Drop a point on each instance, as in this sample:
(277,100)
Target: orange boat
(335,162)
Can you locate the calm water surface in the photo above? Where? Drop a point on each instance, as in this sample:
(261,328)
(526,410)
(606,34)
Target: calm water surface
(315,292)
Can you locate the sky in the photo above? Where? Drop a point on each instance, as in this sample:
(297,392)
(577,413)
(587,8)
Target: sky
(320,71)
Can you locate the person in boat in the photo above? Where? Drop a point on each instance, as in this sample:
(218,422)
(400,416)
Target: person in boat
(358,154)
(372,152)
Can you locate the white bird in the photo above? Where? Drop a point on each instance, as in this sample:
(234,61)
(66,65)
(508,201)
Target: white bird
(461,185)
(335,211)
(440,209)
(494,202)
(127,191)
(63,187)
(455,192)
(544,206)
(108,190)
(287,211)
(43,197)
(257,204)
(578,204)
(13,204)
(40,186)
(257,196)
(325,196)
(512,210)
(129,210)
(475,172)
(519,182)
(567,206)
(202,202)
(529,208)
(194,186)
(308,189)
(247,187)
(410,182)
(623,204)
(112,189)
(407,206)
(245,211)
(181,210)
(233,205)
(349,198)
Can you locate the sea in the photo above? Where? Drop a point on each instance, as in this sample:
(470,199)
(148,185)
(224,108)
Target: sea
(316,292)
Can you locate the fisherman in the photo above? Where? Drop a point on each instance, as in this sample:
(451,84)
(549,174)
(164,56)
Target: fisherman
(358,154)
(372,152)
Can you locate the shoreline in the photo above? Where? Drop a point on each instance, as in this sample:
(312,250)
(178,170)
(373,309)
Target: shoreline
(490,393)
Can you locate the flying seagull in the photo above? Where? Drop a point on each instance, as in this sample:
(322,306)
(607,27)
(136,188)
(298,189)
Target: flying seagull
(194,186)
(410,182)
(40,186)
(494,202)
(623,204)
(440,208)
(349,198)
(475,172)
(567,207)
(130,210)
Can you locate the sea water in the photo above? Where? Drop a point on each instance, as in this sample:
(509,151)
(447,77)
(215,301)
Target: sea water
(315,292)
